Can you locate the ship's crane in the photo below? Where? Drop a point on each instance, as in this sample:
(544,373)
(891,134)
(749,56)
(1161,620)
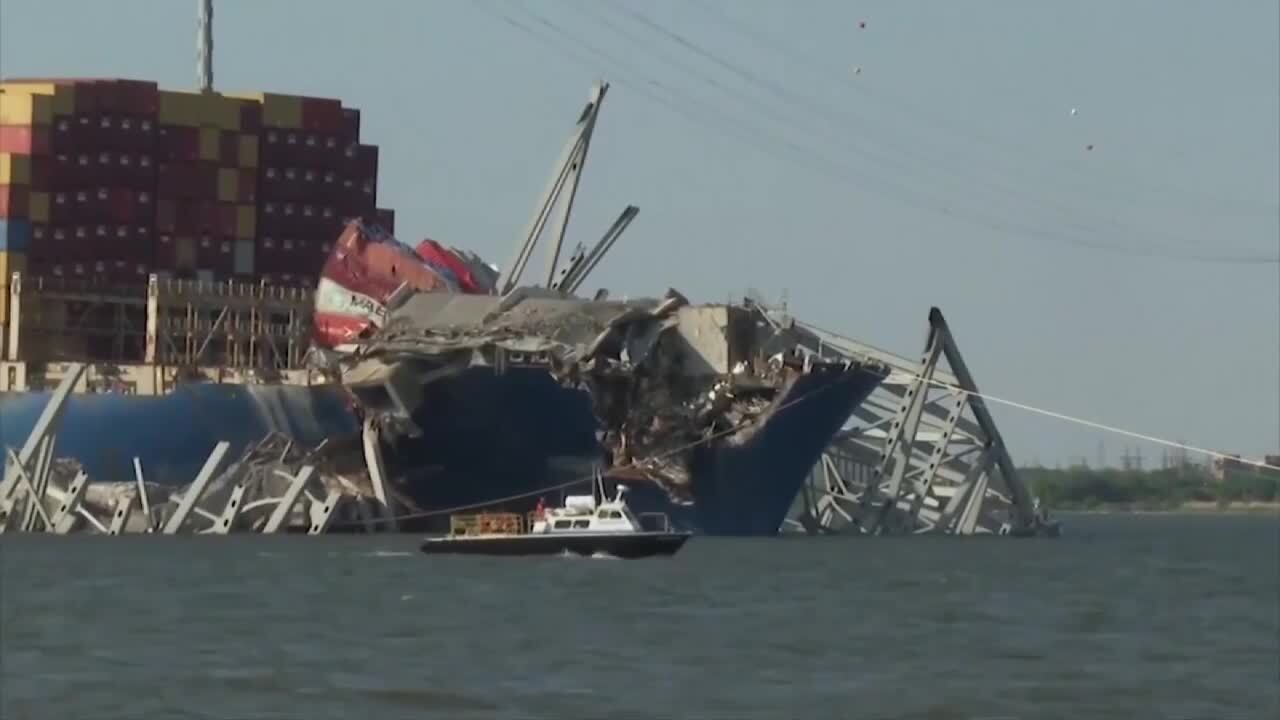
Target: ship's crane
(561,189)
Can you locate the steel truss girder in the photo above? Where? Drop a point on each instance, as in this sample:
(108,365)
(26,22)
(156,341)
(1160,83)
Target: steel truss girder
(921,455)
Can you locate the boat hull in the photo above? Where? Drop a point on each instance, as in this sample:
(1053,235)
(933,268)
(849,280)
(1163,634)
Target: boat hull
(629,546)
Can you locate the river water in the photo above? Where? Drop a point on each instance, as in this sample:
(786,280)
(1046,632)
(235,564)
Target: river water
(1146,616)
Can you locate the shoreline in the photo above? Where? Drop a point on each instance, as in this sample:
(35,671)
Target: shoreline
(1190,508)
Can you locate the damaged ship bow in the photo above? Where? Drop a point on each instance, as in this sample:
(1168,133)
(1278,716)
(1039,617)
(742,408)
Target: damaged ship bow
(708,413)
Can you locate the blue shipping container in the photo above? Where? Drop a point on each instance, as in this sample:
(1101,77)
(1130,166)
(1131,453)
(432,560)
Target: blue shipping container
(15,235)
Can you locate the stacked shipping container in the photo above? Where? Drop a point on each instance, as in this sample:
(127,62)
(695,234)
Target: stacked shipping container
(315,175)
(114,179)
(81,175)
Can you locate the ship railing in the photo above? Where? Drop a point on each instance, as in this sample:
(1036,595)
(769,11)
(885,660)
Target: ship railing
(487,524)
(231,289)
(663,523)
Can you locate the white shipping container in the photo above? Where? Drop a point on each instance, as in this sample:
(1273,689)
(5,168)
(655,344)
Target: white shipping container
(244,257)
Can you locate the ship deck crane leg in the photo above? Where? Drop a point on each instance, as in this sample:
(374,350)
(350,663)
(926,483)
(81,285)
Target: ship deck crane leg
(566,174)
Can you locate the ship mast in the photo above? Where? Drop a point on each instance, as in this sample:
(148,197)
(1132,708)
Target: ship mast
(204,46)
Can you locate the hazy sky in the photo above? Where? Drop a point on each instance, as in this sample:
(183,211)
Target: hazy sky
(949,171)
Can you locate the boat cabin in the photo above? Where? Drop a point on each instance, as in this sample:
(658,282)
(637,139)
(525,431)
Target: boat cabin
(581,513)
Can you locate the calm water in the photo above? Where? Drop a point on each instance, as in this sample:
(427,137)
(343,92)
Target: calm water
(1127,617)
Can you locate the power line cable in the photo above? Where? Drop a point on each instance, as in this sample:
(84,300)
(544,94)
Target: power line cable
(846,119)
(951,124)
(832,168)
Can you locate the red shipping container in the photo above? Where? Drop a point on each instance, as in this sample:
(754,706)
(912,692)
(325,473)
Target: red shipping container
(350,125)
(229,149)
(178,144)
(227,214)
(187,217)
(41,173)
(365,162)
(320,115)
(63,138)
(144,206)
(140,97)
(13,201)
(215,253)
(251,117)
(70,242)
(167,214)
(210,217)
(282,147)
(122,205)
(24,140)
(387,219)
(165,252)
(247,187)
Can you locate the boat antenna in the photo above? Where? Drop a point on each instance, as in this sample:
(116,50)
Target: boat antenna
(204,45)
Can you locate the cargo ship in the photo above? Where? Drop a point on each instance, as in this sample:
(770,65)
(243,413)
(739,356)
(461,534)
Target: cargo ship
(107,182)
(175,240)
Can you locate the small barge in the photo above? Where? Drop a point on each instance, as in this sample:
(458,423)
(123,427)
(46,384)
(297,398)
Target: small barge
(582,527)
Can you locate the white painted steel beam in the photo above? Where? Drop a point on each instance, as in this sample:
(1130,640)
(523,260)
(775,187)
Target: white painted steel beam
(46,425)
(321,513)
(287,502)
(943,466)
(193,493)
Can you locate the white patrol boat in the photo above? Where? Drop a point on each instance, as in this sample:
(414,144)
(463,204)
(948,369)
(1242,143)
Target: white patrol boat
(582,527)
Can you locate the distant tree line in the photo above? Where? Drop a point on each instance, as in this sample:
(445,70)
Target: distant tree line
(1082,488)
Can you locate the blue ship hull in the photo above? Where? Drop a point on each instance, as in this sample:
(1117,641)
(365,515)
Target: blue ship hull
(484,438)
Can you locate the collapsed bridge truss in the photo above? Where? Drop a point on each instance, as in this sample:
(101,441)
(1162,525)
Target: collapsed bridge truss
(921,455)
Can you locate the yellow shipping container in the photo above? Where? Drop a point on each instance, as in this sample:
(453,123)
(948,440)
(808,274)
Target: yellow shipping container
(248,151)
(38,207)
(228,185)
(10,263)
(210,143)
(25,109)
(223,112)
(15,169)
(246,222)
(64,96)
(182,108)
(281,111)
